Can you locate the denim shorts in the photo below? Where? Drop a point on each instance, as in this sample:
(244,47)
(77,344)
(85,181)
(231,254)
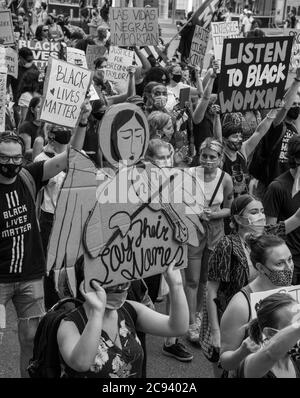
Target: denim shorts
(27,297)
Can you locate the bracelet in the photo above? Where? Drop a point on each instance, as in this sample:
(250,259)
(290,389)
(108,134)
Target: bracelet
(82,124)
(297,80)
(269,117)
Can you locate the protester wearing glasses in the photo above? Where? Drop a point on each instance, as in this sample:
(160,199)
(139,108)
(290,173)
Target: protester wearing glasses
(42,33)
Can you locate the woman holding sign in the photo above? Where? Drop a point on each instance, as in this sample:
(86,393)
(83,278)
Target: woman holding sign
(99,338)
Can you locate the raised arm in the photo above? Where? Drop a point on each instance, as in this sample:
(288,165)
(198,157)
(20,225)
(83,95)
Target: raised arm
(59,163)
(174,324)
(288,99)
(262,129)
(259,363)
(117,99)
(144,61)
(201,108)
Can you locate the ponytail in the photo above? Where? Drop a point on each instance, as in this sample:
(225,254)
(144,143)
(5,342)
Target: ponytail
(254,331)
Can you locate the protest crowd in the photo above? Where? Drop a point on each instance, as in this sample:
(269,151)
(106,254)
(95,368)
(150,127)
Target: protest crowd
(76,102)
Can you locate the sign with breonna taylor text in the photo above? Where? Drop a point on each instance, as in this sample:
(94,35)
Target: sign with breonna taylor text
(64,92)
(118,61)
(41,51)
(255,298)
(134,26)
(253,73)
(3,79)
(198,46)
(220,31)
(6,28)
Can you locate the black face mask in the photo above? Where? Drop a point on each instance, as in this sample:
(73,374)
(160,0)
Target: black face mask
(293,113)
(177,78)
(62,137)
(10,170)
(234,146)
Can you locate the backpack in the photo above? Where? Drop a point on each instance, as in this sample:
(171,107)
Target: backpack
(45,362)
(260,164)
(29,182)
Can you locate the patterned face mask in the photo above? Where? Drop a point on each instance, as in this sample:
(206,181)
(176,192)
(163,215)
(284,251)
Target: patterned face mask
(280,278)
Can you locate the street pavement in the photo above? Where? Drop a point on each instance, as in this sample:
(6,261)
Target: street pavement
(158,365)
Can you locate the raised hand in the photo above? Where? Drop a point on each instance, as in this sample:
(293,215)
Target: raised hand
(96,300)
(173,276)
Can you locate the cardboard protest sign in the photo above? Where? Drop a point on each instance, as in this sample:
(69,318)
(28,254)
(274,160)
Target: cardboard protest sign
(121,236)
(198,46)
(3,78)
(76,57)
(118,61)
(42,51)
(92,53)
(134,26)
(64,93)
(255,298)
(12,64)
(295,57)
(220,31)
(253,73)
(6,28)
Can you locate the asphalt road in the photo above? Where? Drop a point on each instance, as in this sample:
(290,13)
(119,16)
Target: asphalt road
(158,365)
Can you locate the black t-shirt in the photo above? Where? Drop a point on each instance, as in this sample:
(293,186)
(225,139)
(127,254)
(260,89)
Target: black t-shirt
(278,202)
(29,128)
(21,250)
(237,169)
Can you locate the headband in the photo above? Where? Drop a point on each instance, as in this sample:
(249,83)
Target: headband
(213,145)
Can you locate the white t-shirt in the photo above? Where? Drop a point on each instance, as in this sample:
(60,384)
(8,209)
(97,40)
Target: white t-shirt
(247,22)
(52,189)
(173,95)
(25,99)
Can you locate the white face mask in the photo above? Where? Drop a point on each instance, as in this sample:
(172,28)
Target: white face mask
(164,162)
(114,301)
(256,222)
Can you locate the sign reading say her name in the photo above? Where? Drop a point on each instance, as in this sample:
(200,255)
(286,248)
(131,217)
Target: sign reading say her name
(6,28)
(198,46)
(118,61)
(255,298)
(41,51)
(3,78)
(134,26)
(253,73)
(64,93)
(220,31)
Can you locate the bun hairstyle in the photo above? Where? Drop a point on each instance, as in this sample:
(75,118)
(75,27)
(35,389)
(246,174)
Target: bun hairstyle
(259,246)
(238,206)
(266,311)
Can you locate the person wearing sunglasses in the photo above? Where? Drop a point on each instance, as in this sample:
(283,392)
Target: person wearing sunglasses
(99,339)
(42,33)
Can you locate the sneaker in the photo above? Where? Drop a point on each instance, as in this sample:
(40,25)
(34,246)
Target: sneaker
(193,333)
(177,351)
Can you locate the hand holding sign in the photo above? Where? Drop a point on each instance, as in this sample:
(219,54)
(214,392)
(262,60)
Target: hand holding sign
(96,299)
(173,276)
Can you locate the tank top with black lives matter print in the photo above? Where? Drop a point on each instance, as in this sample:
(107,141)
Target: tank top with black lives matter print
(21,251)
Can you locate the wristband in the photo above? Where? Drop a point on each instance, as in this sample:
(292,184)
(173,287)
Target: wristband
(82,124)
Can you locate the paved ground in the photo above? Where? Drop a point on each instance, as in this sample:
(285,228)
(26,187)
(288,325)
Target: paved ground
(158,364)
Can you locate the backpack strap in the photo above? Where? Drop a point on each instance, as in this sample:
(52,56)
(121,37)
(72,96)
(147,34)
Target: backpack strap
(246,292)
(217,188)
(128,308)
(29,182)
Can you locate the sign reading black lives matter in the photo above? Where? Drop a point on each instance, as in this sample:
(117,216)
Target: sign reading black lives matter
(134,26)
(64,92)
(198,46)
(253,73)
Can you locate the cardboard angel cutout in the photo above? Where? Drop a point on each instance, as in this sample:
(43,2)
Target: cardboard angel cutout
(123,219)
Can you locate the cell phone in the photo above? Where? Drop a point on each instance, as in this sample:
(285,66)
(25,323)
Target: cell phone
(184,96)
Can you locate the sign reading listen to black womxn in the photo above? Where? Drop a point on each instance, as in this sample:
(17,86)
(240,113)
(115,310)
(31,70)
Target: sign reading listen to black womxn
(253,73)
